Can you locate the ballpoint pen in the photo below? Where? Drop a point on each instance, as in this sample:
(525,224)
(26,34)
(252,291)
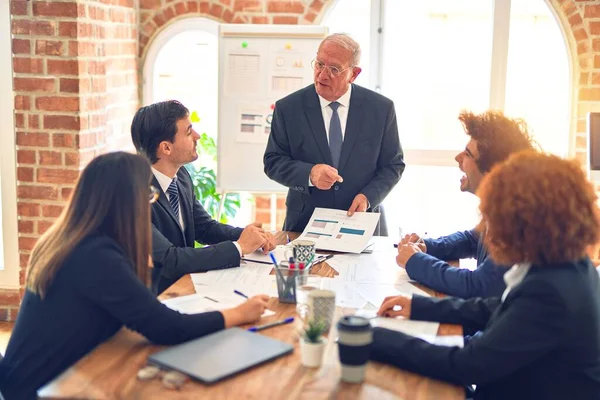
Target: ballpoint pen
(272,324)
(240,293)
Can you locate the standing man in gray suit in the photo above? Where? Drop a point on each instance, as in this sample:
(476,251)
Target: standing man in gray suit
(334,144)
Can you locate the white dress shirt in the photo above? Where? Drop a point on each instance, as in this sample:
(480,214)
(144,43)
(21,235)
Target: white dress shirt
(164,181)
(514,276)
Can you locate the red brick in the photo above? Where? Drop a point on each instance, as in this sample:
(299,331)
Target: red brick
(27,243)
(310,17)
(33,84)
(52,211)
(228,16)
(56,103)
(33,121)
(28,210)
(9,297)
(285,20)
(36,28)
(62,67)
(22,277)
(596,45)
(595,27)
(28,65)
(592,11)
(58,176)
(69,85)
(37,192)
(61,122)
(26,156)
(204,7)
(25,174)
(596,61)
(22,102)
(180,9)
(48,47)
(589,93)
(316,6)
(248,5)
(21,46)
(43,226)
(50,157)
(168,13)
(39,139)
(4,315)
(20,120)
(595,78)
(23,260)
(64,140)
(192,7)
(580,34)
(216,10)
(260,20)
(159,20)
(262,202)
(54,9)
(67,28)
(18,7)
(291,7)
(72,158)
(25,226)
(150,4)
(66,193)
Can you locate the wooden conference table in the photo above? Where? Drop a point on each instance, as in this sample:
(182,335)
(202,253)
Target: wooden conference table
(109,372)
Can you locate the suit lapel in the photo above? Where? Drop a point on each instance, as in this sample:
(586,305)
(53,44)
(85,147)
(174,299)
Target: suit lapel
(353,124)
(186,193)
(317,125)
(164,203)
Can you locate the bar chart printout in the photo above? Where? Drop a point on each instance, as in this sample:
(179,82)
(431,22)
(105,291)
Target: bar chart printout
(334,230)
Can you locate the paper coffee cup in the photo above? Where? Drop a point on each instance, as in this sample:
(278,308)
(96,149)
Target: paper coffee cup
(354,345)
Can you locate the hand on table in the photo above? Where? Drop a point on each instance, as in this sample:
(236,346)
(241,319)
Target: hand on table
(414,238)
(247,312)
(254,237)
(395,306)
(405,252)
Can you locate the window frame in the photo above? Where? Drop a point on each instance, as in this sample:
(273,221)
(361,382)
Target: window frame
(9,274)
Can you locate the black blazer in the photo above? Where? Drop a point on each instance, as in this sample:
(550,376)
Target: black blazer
(371,160)
(93,294)
(542,342)
(173,251)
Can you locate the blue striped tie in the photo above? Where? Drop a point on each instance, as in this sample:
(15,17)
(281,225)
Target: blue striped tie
(174,197)
(335,135)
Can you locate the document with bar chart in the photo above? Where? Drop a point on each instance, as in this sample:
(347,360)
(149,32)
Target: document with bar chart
(334,230)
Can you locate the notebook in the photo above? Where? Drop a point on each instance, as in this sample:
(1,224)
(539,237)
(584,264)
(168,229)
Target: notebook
(220,355)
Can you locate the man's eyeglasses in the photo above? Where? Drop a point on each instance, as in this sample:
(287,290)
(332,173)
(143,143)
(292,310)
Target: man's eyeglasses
(333,71)
(153,194)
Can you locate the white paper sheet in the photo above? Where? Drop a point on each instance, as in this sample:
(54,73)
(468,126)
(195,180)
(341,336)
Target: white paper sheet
(375,293)
(279,252)
(334,230)
(246,274)
(421,329)
(345,294)
(197,303)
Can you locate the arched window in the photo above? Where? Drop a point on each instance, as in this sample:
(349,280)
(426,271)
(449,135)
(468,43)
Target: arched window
(437,57)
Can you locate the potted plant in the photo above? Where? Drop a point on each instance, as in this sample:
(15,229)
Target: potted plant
(312,344)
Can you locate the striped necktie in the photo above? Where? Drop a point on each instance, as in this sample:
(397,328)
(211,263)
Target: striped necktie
(174,196)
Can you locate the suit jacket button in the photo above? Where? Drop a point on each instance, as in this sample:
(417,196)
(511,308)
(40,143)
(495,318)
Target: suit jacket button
(336,187)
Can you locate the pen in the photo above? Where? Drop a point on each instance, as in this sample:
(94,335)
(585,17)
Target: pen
(321,259)
(417,242)
(240,293)
(272,324)
(277,271)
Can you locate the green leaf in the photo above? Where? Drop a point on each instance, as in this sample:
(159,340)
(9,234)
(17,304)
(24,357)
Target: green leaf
(194,117)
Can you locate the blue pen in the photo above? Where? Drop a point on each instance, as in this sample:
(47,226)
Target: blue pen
(272,324)
(240,293)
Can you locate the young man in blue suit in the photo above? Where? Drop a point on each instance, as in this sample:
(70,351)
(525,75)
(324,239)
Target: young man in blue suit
(334,144)
(163,132)
(494,137)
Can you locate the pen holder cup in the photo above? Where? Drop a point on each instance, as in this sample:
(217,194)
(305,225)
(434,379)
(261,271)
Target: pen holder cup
(286,283)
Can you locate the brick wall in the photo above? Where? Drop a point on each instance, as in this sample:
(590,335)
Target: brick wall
(76,85)
(76,89)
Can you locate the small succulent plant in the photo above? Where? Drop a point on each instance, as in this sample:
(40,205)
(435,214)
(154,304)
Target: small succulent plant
(314,331)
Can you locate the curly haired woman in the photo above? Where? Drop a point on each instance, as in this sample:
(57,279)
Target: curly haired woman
(541,338)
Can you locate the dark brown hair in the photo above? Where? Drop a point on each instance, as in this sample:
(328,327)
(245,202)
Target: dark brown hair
(538,208)
(111,197)
(497,136)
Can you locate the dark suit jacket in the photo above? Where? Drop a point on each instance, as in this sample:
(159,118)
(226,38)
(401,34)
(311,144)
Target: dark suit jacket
(371,160)
(542,342)
(430,269)
(173,251)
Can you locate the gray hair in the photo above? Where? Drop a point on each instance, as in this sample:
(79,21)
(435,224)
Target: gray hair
(344,40)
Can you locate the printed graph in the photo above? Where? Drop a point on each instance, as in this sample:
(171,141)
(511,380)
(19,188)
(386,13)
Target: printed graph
(322,223)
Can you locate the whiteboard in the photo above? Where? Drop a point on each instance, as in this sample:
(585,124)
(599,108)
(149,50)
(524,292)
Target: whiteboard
(258,65)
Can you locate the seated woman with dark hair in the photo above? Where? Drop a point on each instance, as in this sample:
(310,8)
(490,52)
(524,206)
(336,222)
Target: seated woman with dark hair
(86,279)
(541,338)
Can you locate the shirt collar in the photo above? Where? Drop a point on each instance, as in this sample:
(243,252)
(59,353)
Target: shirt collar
(514,276)
(344,100)
(163,180)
